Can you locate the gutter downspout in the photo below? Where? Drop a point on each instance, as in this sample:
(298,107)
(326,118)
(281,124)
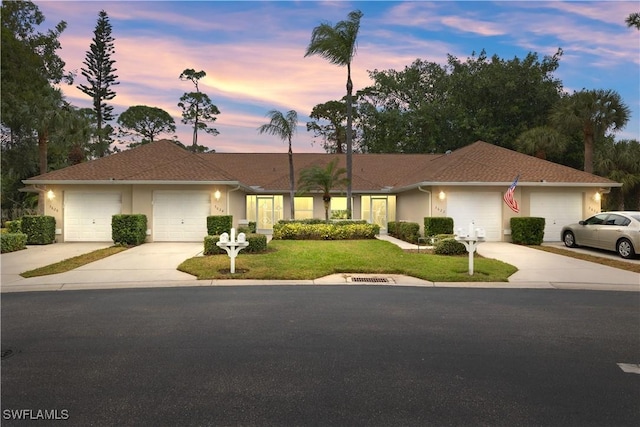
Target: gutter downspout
(429,193)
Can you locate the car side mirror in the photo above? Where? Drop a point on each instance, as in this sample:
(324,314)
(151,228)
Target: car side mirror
(582,223)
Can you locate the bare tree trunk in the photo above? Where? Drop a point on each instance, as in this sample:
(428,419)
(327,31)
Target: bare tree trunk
(292,190)
(588,150)
(349,141)
(43,140)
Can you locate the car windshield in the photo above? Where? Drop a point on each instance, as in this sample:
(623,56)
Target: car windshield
(635,216)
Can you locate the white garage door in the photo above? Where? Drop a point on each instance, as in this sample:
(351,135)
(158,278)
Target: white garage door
(180,216)
(484,209)
(87,216)
(558,210)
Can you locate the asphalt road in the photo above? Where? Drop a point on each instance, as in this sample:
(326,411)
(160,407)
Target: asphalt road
(335,355)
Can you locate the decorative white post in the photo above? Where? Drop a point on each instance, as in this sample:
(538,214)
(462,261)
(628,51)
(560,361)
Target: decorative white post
(471,240)
(232,246)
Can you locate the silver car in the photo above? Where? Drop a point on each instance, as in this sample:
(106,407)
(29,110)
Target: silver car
(612,231)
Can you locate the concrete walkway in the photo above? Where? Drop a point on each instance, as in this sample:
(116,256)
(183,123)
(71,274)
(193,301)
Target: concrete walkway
(155,265)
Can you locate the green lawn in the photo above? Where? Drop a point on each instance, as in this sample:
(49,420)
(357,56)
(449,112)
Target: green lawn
(73,263)
(306,260)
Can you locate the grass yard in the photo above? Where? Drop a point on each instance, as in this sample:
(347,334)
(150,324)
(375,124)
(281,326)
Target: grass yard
(73,263)
(311,259)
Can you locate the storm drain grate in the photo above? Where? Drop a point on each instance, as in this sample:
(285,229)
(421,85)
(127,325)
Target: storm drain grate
(370,279)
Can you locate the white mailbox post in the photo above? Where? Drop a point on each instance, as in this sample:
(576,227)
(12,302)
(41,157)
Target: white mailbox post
(232,246)
(470,240)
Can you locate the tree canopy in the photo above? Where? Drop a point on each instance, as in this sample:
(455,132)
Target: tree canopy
(100,74)
(197,108)
(142,124)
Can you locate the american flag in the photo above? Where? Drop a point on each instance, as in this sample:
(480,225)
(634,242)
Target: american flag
(508,196)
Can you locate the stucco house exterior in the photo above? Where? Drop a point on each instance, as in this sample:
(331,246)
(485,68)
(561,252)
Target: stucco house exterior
(177,190)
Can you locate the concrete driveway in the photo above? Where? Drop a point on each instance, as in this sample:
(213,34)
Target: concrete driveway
(148,263)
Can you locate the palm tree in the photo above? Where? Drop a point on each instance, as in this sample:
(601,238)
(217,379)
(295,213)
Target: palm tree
(322,180)
(593,112)
(541,141)
(284,127)
(338,45)
(620,161)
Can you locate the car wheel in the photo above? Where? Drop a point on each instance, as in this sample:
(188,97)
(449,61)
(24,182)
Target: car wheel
(569,239)
(625,249)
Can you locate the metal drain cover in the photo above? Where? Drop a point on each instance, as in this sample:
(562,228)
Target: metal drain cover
(370,280)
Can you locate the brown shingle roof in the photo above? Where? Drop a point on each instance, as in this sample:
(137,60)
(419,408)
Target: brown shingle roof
(158,161)
(165,161)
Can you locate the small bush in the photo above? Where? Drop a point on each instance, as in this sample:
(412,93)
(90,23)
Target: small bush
(257,243)
(449,246)
(527,230)
(407,231)
(218,224)
(437,225)
(301,231)
(129,229)
(14,226)
(40,229)
(11,242)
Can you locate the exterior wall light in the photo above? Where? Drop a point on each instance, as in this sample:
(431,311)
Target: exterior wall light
(441,195)
(597,197)
(217,194)
(51,195)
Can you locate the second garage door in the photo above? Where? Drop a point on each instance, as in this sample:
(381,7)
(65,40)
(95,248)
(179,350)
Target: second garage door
(180,216)
(481,208)
(558,210)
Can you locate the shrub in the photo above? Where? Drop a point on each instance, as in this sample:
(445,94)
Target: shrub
(527,230)
(250,228)
(14,226)
(257,243)
(301,231)
(449,246)
(210,247)
(11,242)
(40,229)
(218,224)
(437,225)
(129,229)
(407,231)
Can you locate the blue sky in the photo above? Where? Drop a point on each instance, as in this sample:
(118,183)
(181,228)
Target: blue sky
(253,52)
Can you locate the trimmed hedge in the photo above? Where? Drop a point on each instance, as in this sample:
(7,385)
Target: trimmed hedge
(14,226)
(449,246)
(407,231)
(40,229)
(348,231)
(437,225)
(129,229)
(257,243)
(218,224)
(527,230)
(11,242)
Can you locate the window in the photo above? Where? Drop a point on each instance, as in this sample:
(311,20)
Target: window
(618,220)
(303,207)
(596,220)
(338,209)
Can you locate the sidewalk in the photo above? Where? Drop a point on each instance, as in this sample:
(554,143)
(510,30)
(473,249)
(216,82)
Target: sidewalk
(155,265)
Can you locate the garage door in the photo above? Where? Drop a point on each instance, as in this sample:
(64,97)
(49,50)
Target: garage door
(484,209)
(87,216)
(180,216)
(558,210)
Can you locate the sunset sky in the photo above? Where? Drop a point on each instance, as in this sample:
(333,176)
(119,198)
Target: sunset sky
(253,52)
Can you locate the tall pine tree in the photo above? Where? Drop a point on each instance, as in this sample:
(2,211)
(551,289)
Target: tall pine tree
(100,76)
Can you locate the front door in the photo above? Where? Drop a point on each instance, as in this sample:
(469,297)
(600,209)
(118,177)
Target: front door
(379,213)
(264,220)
